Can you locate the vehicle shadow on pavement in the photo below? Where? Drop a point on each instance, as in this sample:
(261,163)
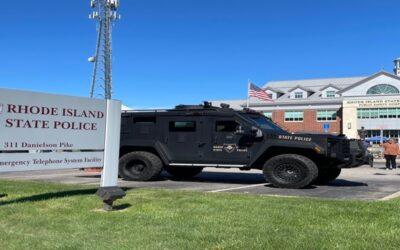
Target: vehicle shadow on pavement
(52,195)
(94,176)
(221,177)
(336,183)
(269,185)
(381,168)
(346,183)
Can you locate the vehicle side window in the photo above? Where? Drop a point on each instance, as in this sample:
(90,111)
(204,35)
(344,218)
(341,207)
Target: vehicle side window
(182,126)
(226,126)
(144,119)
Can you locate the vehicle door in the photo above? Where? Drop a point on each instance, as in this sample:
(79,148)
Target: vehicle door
(229,141)
(181,138)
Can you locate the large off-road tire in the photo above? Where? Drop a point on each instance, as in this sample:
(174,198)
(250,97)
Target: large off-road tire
(290,171)
(140,166)
(183,172)
(327,174)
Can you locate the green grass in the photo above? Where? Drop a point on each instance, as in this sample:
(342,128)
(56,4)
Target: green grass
(52,216)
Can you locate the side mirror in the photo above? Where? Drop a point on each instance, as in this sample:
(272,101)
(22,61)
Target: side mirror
(256,132)
(239,130)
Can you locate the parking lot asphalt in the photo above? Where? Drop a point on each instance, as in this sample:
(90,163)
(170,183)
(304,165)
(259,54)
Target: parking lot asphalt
(363,183)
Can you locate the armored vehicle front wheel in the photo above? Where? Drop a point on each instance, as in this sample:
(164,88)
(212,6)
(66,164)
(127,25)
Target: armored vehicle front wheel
(326,175)
(140,166)
(183,172)
(290,171)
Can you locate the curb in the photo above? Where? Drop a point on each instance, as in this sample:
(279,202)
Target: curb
(390,197)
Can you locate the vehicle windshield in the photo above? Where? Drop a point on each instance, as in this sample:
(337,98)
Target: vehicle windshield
(264,122)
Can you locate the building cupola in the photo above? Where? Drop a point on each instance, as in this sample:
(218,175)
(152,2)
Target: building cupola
(396,68)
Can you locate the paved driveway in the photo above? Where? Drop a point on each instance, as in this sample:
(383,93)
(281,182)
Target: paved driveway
(363,183)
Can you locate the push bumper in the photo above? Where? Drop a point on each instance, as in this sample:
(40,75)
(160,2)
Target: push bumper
(358,156)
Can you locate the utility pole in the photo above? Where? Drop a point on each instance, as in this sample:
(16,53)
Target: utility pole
(105,12)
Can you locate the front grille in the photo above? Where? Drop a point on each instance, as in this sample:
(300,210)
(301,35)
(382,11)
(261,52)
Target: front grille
(339,147)
(346,147)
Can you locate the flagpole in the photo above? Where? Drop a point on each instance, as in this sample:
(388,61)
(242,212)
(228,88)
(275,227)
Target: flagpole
(248,93)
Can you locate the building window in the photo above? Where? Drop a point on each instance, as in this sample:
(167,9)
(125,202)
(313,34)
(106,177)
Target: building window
(374,113)
(330,93)
(385,133)
(391,133)
(381,89)
(268,114)
(373,133)
(364,114)
(383,113)
(378,113)
(326,115)
(298,95)
(391,113)
(294,116)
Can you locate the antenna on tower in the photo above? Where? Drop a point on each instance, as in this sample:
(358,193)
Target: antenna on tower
(105,12)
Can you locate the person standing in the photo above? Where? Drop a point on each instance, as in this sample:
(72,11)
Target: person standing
(390,151)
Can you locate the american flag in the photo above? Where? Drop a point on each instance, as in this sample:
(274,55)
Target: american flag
(255,91)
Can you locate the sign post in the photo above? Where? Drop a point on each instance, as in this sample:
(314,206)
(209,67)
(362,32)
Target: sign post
(109,190)
(326,126)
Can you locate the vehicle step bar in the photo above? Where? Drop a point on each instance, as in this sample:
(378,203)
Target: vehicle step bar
(207,165)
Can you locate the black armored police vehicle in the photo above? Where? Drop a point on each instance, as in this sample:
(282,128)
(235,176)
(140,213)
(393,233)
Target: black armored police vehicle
(186,139)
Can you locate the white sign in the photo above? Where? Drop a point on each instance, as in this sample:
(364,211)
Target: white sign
(373,103)
(53,160)
(37,121)
(43,131)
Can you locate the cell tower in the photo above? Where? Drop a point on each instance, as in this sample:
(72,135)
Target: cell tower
(105,11)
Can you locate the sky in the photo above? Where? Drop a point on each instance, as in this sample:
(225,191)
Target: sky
(169,52)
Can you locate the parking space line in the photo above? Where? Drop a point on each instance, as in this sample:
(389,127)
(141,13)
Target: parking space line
(392,196)
(235,188)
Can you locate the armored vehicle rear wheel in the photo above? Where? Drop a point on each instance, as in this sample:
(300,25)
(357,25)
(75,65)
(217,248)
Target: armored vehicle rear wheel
(326,175)
(140,166)
(183,172)
(290,171)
